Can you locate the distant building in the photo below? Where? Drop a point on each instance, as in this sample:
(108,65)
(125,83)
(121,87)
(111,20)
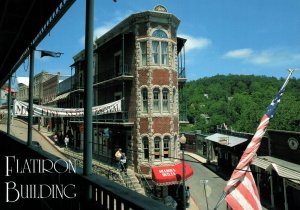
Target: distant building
(23,88)
(38,80)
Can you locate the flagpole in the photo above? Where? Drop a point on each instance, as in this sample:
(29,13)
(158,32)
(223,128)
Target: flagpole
(220,200)
(236,188)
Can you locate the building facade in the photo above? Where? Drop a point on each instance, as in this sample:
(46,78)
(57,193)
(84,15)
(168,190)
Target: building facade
(276,170)
(23,89)
(140,62)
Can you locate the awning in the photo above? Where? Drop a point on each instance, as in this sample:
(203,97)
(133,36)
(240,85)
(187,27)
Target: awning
(168,175)
(283,168)
(226,140)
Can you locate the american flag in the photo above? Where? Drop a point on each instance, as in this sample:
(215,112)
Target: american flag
(240,191)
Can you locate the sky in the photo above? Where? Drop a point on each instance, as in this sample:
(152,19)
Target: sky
(259,37)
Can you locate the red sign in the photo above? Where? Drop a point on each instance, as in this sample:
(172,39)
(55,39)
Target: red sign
(167,175)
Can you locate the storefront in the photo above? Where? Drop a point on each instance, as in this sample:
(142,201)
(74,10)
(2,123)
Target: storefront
(168,181)
(225,150)
(278,182)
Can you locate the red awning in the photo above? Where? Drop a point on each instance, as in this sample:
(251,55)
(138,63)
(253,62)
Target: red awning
(167,175)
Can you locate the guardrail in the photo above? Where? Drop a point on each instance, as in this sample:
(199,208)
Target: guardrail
(89,192)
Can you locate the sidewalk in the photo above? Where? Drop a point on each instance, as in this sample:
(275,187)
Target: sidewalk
(47,134)
(193,205)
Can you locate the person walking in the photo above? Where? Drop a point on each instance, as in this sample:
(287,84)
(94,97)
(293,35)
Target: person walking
(188,195)
(66,140)
(118,156)
(123,162)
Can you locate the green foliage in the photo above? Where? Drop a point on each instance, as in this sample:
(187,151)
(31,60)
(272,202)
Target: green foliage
(240,101)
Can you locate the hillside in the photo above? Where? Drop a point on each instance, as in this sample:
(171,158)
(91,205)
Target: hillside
(240,101)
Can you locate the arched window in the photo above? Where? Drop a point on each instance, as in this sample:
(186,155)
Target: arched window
(159,48)
(166,147)
(165,100)
(146,147)
(159,34)
(157,147)
(156,100)
(145,100)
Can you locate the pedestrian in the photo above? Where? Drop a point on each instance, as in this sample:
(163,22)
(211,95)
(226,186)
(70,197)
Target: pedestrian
(123,162)
(188,195)
(66,140)
(48,126)
(118,156)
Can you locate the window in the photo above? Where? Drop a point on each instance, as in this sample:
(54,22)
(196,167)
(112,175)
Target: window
(166,146)
(159,48)
(175,145)
(156,100)
(144,53)
(164,53)
(174,100)
(156,147)
(146,147)
(165,100)
(159,34)
(145,100)
(155,52)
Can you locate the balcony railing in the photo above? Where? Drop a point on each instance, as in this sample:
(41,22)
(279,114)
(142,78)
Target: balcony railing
(181,72)
(111,73)
(88,192)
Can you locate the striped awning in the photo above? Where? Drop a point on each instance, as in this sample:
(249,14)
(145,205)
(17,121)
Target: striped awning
(285,169)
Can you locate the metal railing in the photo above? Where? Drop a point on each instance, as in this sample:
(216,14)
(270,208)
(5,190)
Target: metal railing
(181,72)
(111,73)
(89,192)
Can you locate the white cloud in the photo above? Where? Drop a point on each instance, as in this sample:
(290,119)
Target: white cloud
(274,57)
(106,26)
(193,43)
(98,32)
(240,53)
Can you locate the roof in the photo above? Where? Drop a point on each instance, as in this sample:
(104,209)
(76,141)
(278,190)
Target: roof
(24,23)
(23,80)
(226,140)
(283,168)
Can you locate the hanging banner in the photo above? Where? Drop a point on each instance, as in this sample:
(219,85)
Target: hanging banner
(21,109)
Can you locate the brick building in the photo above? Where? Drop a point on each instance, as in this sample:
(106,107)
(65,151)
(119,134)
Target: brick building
(140,62)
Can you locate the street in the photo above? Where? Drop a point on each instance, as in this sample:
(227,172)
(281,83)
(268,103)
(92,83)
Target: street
(19,130)
(214,186)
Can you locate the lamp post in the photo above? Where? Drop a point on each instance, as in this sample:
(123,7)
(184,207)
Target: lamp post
(182,141)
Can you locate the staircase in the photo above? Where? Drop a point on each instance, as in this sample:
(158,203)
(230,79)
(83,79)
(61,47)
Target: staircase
(132,182)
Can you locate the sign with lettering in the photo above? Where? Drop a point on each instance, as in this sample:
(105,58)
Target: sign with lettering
(21,109)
